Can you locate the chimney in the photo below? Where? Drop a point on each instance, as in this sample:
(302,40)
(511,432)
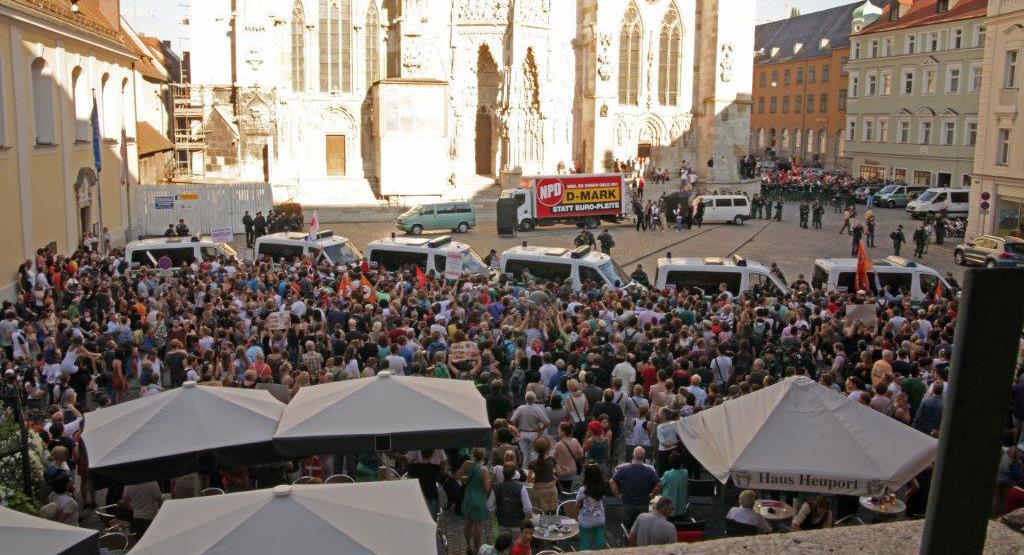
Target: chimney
(111,11)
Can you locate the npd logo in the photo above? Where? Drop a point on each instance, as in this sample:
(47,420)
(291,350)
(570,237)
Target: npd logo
(549,192)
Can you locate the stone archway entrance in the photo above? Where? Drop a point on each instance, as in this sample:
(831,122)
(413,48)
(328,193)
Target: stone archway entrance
(487,86)
(85,182)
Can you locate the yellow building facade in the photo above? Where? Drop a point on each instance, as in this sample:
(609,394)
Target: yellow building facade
(53,62)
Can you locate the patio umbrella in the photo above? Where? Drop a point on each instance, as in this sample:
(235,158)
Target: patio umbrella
(29,535)
(194,427)
(382,413)
(798,435)
(354,519)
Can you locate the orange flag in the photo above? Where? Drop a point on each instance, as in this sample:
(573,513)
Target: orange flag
(345,287)
(938,290)
(368,291)
(863,267)
(421,277)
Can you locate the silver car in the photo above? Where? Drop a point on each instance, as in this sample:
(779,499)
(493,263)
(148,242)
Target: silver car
(991,251)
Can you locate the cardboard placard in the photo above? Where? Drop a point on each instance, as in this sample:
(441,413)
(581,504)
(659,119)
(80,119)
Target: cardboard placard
(864,313)
(222,234)
(453,265)
(463,350)
(278,320)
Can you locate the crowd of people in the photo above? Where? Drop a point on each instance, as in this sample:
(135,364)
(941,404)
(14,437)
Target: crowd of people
(583,387)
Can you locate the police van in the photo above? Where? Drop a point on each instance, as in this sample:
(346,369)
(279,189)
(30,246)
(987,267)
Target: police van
(288,245)
(169,253)
(429,254)
(558,264)
(707,274)
(840,274)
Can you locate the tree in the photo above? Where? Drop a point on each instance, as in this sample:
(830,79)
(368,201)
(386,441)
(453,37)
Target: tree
(794,12)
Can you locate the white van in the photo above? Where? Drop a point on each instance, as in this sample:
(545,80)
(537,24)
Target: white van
(706,274)
(723,208)
(429,254)
(954,201)
(169,253)
(556,264)
(840,274)
(287,245)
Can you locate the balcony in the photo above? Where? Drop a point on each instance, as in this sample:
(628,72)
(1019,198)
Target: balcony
(1007,101)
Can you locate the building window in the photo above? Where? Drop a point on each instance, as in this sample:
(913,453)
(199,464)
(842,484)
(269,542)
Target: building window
(760,105)
(775,77)
(929,81)
(886,85)
(785,77)
(872,85)
(953,80)
(669,58)
(903,132)
(785,104)
(810,104)
(811,73)
(933,42)
(887,49)
(856,50)
(127,110)
(908,83)
(883,130)
(851,130)
(841,104)
(822,140)
(869,131)
(796,140)
(82,103)
(942,6)
(974,85)
(798,104)
(809,140)
(298,48)
(108,108)
(823,103)
(335,46)
(924,136)
(760,138)
(629,57)
(824,74)
(854,83)
(972,134)
(873,49)
(372,44)
(956,41)
(763,80)
(948,133)
(979,36)
(772,105)
(1010,70)
(42,102)
(785,139)
(911,44)
(1003,147)
(799,76)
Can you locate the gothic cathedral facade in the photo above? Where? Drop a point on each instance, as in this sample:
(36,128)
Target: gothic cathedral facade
(311,90)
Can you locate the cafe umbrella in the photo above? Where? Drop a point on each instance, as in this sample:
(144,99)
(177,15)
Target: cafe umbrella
(383,413)
(187,429)
(29,535)
(798,435)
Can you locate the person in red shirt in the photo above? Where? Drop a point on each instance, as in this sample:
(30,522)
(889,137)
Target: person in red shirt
(261,368)
(649,375)
(522,544)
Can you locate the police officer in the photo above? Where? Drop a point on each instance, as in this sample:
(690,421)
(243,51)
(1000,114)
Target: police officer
(259,225)
(755,207)
(181,229)
(170,232)
(767,208)
(606,241)
(585,238)
(640,276)
(816,212)
(778,210)
(250,235)
(920,240)
(940,227)
(804,212)
(898,238)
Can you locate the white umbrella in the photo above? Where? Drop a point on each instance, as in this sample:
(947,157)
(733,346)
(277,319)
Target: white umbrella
(28,535)
(354,519)
(798,435)
(194,427)
(382,413)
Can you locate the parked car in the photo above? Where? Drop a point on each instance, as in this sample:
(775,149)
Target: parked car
(991,251)
(453,216)
(896,195)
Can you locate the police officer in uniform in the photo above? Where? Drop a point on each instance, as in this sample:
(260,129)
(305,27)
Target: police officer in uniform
(584,238)
(816,212)
(920,240)
(606,241)
(767,208)
(898,238)
(940,227)
(804,212)
(778,210)
(259,225)
(250,235)
(181,228)
(755,207)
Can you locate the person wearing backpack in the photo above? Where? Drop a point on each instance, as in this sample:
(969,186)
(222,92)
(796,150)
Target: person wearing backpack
(568,455)
(509,501)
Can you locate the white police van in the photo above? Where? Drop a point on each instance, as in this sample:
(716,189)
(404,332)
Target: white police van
(429,254)
(170,253)
(558,264)
(288,245)
(840,274)
(708,273)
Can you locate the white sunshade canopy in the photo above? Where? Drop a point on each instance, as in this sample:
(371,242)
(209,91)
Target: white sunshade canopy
(354,519)
(170,433)
(381,413)
(798,435)
(28,535)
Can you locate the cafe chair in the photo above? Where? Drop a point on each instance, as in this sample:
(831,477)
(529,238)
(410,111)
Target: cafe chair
(569,508)
(442,543)
(110,518)
(388,473)
(339,479)
(307,480)
(733,528)
(702,488)
(211,491)
(689,529)
(113,543)
(848,519)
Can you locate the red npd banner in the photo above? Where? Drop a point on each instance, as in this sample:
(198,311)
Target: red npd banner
(577,196)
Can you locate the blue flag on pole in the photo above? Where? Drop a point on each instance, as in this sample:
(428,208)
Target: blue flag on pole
(94,119)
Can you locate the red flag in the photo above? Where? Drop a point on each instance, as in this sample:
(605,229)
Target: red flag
(421,277)
(364,266)
(863,267)
(938,290)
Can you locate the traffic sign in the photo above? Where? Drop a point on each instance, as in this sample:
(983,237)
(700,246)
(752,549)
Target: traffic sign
(985,195)
(984,205)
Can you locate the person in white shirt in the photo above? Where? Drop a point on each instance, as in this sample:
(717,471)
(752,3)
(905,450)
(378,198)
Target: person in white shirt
(721,367)
(699,395)
(547,370)
(745,514)
(626,373)
(396,362)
